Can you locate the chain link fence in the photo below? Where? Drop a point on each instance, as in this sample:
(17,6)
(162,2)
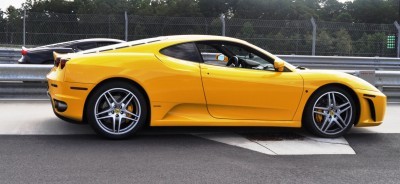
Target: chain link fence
(148,26)
(351,39)
(11,32)
(276,36)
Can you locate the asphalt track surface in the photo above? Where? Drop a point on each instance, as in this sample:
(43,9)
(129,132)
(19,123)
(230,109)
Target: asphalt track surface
(47,150)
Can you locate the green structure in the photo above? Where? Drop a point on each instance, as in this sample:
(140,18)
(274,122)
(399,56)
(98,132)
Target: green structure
(391,42)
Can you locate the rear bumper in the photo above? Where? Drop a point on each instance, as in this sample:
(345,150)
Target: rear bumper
(72,95)
(23,60)
(372,107)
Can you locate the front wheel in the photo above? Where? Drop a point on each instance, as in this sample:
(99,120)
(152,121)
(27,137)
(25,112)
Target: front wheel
(330,113)
(117,110)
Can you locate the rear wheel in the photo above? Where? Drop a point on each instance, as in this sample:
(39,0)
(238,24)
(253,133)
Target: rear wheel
(330,113)
(117,110)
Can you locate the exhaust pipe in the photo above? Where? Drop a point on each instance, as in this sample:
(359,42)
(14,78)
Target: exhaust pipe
(60,106)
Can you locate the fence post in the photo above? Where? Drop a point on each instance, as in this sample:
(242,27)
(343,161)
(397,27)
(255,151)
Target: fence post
(205,22)
(222,17)
(109,26)
(23,29)
(314,35)
(398,38)
(126,26)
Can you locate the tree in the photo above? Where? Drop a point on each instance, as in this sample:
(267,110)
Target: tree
(3,28)
(215,27)
(366,11)
(343,42)
(3,21)
(213,8)
(324,43)
(343,17)
(374,11)
(370,44)
(247,30)
(331,9)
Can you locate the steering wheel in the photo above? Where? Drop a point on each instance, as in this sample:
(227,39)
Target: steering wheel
(233,60)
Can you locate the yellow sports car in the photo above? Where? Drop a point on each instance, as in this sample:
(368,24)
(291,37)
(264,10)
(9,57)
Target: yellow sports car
(202,80)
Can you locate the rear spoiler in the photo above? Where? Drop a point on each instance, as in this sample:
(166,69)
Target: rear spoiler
(56,56)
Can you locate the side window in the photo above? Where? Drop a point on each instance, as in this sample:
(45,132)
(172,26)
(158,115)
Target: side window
(234,55)
(86,46)
(211,55)
(185,51)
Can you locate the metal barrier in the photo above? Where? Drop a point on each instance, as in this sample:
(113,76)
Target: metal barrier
(9,55)
(386,81)
(344,63)
(337,62)
(13,72)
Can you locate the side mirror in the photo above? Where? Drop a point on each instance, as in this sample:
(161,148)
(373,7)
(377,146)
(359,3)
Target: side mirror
(279,65)
(221,57)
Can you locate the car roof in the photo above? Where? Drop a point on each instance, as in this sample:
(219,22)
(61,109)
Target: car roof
(68,43)
(174,38)
(200,37)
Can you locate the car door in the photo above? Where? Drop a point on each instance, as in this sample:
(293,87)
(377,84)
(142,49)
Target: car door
(181,79)
(248,93)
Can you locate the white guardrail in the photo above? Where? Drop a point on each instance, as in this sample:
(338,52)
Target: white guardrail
(386,81)
(338,62)
(8,56)
(384,73)
(344,63)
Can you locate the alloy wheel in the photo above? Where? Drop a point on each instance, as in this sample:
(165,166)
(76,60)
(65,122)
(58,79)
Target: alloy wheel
(332,113)
(117,111)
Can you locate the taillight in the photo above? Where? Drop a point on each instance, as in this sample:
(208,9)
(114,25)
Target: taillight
(63,62)
(57,62)
(24,51)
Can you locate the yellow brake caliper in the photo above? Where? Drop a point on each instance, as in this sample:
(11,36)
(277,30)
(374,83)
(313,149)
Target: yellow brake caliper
(130,109)
(319,117)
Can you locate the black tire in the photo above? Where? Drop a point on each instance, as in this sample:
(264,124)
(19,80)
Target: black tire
(99,125)
(326,122)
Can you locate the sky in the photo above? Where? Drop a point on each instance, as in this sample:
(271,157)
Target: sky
(6,3)
(17,3)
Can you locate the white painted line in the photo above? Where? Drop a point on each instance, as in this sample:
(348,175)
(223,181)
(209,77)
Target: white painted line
(309,146)
(236,140)
(302,146)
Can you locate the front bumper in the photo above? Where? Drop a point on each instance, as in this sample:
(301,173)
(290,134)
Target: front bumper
(372,108)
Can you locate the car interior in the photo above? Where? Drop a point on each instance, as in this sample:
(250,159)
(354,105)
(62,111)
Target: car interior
(232,55)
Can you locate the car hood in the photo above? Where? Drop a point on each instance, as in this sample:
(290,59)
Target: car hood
(331,76)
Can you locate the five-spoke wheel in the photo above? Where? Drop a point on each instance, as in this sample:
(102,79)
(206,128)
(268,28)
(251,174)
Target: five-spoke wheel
(116,110)
(330,112)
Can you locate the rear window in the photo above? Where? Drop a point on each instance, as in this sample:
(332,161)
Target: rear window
(185,51)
